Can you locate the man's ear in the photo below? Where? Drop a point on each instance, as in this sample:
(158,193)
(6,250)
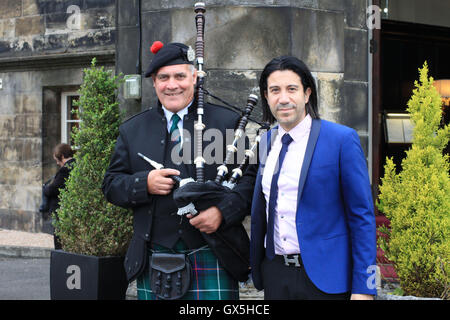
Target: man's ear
(153,78)
(194,74)
(307,94)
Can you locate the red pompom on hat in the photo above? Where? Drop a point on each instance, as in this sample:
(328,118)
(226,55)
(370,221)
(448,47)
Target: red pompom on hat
(167,55)
(156,46)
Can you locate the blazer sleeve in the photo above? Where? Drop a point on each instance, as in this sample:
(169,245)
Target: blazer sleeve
(360,214)
(52,189)
(121,186)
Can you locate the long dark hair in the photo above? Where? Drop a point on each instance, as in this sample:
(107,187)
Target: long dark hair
(300,68)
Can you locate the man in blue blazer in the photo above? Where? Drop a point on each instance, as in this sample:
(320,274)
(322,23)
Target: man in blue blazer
(312,223)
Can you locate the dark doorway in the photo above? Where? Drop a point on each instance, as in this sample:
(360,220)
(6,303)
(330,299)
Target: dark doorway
(403,49)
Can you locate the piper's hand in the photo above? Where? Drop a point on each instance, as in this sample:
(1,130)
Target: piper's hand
(207,221)
(158,181)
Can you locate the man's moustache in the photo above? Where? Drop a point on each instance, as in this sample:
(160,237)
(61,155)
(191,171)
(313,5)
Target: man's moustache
(285,106)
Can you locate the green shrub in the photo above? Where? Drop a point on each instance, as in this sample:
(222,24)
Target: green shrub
(417,200)
(87,223)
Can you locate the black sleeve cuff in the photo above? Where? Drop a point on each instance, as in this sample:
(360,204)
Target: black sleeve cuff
(138,193)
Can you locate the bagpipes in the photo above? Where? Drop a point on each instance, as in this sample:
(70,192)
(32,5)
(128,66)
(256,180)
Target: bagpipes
(201,74)
(204,194)
(229,243)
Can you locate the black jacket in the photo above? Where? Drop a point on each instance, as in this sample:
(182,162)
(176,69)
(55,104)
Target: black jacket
(52,189)
(125,182)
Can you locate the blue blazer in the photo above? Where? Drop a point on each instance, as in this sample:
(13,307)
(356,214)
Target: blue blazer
(335,217)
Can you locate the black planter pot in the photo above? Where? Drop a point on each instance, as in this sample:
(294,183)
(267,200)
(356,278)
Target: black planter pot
(81,277)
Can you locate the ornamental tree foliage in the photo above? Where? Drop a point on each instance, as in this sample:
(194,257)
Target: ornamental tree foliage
(87,223)
(417,200)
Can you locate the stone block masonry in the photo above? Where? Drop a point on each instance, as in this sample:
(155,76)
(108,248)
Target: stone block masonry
(242,36)
(21,151)
(35,27)
(44,46)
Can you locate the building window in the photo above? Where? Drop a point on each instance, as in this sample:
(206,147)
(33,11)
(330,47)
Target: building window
(69,119)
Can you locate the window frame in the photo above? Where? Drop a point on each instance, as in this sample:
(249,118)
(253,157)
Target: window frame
(65,113)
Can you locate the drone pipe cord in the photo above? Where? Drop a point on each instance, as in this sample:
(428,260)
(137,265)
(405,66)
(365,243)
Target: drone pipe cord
(222,170)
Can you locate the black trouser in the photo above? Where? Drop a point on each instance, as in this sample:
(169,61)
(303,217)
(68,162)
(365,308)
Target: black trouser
(283,282)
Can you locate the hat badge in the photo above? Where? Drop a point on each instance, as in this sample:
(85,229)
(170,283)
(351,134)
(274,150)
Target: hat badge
(190,54)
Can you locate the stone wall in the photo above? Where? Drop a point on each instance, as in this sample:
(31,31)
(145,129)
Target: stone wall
(242,36)
(41,54)
(23,120)
(44,47)
(33,27)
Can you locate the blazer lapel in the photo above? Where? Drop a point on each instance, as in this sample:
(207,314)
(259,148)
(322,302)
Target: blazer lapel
(271,135)
(264,148)
(313,136)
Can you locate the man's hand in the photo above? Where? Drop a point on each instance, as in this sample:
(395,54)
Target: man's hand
(159,183)
(207,221)
(356,296)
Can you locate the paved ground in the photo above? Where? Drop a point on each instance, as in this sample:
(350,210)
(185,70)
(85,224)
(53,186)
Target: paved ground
(24,278)
(25,239)
(25,268)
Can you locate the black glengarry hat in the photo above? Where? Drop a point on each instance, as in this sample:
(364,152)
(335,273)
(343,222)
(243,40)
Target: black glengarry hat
(168,55)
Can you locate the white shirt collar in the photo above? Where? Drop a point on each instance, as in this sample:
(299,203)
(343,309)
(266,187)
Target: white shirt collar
(168,114)
(180,113)
(299,131)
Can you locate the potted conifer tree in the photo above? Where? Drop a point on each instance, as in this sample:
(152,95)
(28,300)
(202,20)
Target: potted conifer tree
(417,200)
(94,233)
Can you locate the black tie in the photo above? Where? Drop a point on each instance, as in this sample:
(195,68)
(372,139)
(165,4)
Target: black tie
(270,249)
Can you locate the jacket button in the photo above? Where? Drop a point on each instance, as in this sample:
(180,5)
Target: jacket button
(134,191)
(136,180)
(162,141)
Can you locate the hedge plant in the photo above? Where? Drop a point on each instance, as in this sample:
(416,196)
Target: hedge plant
(417,200)
(86,223)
